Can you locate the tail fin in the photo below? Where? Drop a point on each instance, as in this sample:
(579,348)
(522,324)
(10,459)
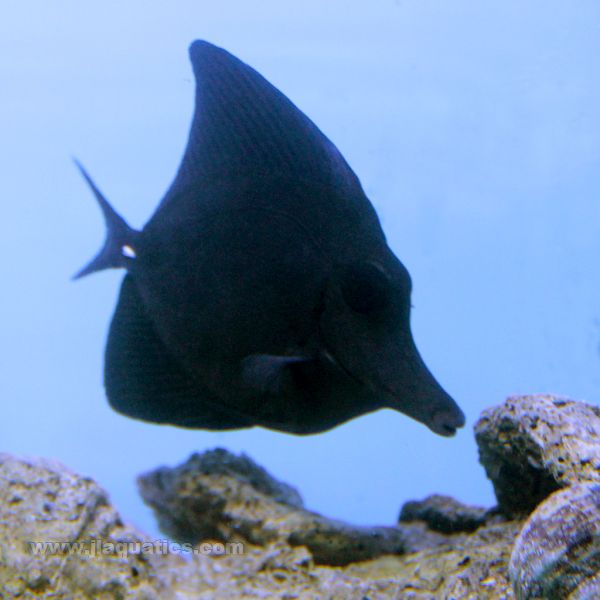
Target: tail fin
(118,249)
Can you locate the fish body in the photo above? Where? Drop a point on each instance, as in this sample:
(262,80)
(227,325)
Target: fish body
(262,291)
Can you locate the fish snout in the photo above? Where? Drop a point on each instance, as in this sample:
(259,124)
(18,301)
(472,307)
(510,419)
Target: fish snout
(446,421)
(418,395)
(431,406)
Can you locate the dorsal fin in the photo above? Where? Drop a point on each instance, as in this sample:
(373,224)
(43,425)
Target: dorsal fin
(118,247)
(244,127)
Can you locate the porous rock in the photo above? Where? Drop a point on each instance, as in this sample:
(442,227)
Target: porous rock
(557,553)
(42,501)
(290,552)
(217,495)
(212,496)
(531,446)
(444,514)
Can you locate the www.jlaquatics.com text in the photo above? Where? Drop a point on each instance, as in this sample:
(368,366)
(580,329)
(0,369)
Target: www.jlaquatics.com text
(99,547)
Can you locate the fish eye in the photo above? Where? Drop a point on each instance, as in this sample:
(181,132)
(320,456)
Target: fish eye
(366,288)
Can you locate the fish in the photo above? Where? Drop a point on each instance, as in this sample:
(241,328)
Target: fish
(262,291)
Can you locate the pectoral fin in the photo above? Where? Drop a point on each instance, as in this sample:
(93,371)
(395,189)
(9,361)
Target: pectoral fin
(270,374)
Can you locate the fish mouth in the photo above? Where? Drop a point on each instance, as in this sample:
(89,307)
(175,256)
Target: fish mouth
(446,431)
(446,424)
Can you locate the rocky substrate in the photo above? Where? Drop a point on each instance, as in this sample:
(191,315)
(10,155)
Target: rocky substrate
(251,536)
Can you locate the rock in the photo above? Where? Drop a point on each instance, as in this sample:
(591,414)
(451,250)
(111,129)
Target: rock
(222,462)
(254,538)
(531,446)
(444,514)
(557,553)
(42,501)
(217,495)
(188,511)
(588,589)
(203,500)
(473,567)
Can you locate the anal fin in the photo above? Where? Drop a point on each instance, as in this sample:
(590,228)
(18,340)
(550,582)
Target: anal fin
(143,381)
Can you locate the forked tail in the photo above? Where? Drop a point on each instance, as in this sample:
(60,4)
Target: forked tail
(119,247)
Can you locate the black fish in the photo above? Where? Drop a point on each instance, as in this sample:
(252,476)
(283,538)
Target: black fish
(262,290)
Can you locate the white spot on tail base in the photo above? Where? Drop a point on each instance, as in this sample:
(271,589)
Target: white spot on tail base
(128,251)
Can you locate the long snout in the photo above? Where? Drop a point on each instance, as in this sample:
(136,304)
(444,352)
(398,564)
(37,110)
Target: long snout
(414,391)
(447,417)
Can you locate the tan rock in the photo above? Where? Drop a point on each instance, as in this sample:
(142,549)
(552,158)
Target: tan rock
(218,495)
(531,446)
(42,501)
